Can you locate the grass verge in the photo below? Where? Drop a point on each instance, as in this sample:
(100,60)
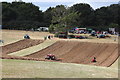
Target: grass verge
(34,48)
(41,69)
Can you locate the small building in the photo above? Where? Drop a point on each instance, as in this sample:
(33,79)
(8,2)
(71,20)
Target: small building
(112,30)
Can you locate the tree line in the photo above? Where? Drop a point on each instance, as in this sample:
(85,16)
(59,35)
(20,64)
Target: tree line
(24,16)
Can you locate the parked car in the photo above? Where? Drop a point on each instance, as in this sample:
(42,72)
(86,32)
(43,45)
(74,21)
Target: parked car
(71,36)
(61,35)
(93,34)
(80,37)
(101,36)
(71,31)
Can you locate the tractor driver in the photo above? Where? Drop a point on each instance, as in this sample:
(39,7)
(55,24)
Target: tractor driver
(94,59)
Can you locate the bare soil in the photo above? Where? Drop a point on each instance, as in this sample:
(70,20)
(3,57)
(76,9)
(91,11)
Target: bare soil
(19,45)
(81,52)
(69,51)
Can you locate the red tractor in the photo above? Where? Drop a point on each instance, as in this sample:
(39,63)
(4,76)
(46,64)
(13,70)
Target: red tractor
(52,57)
(94,59)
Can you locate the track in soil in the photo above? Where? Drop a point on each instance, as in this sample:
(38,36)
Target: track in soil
(81,52)
(22,44)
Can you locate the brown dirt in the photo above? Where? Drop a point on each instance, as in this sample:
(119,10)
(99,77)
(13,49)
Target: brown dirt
(81,52)
(22,44)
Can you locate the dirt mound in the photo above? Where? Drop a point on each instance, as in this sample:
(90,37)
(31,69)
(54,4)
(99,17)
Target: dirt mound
(22,44)
(81,52)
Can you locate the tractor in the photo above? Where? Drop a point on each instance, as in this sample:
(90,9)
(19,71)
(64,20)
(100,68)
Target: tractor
(26,36)
(52,57)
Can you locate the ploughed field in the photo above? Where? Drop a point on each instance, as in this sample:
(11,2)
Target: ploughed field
(22,44)
(81,52)
(69,51)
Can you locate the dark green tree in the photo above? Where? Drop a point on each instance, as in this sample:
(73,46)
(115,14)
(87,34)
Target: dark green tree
(21,15)
(87,14)
(48,16)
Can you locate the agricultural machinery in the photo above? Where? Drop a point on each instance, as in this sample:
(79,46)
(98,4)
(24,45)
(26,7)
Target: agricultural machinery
(94,59)
(52,57)
(26,36)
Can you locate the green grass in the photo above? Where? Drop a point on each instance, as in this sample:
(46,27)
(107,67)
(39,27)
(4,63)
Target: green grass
(41,69)
(34,48)
(115,65)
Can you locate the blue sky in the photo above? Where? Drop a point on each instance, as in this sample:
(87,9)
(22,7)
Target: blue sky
(44,4)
